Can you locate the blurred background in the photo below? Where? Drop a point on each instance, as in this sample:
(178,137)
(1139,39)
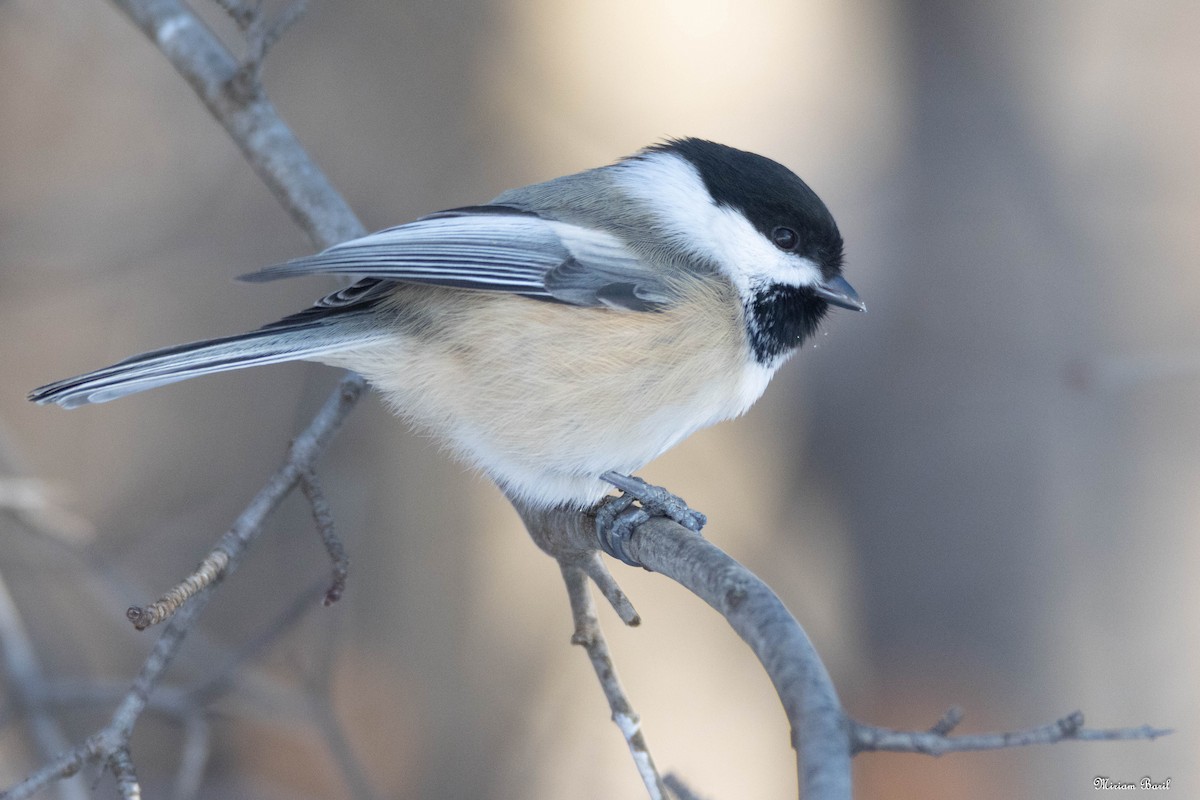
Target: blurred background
(985,491)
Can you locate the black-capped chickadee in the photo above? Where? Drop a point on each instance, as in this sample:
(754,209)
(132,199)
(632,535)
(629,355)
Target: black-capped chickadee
(565,330)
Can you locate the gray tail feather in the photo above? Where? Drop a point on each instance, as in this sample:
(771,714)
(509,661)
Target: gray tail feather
(270,345)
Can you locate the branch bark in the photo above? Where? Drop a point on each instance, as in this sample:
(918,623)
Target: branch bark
(937,742)
(819,727)
(823,735)
(237,101)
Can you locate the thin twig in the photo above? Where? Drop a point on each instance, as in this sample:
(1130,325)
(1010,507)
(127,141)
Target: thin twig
(589,635)
(250,119)
(948,722)
(220,682)
(101,747)
(211,570)
(27,688)
(679,789)
(865,738)
(323,517)
(127,780)
(585,557)
(197,746)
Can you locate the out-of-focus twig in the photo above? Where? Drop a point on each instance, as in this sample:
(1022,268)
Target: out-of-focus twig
(31,502)
(310,485)
(865,738)
(242,108)
(26,688)
(679,789)
(249,117)
(105,746)
(197,746)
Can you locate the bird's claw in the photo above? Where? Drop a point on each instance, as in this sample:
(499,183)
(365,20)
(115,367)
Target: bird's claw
(617,517)
(657,500)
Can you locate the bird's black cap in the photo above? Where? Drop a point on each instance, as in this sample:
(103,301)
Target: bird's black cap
(767,193)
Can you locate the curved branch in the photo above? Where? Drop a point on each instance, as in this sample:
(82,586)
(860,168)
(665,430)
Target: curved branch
(824,737)
(819,727)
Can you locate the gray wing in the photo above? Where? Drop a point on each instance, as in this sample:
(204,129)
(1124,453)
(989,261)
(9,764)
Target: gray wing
(496,248)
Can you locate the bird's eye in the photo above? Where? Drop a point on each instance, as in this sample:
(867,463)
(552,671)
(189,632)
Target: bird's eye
(785,238)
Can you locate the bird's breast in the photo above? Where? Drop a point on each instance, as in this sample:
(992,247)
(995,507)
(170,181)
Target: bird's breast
(544,397)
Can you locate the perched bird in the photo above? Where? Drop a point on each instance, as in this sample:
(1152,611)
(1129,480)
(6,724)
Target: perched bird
(563,335)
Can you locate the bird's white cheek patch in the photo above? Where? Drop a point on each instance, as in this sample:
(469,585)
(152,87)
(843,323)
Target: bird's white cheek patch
(693,221)
(751,259)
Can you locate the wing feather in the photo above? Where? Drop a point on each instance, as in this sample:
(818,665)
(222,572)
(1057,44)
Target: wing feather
(497,249)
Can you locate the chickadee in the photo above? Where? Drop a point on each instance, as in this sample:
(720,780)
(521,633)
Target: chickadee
(566,330)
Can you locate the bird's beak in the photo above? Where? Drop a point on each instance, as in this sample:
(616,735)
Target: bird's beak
(838,292)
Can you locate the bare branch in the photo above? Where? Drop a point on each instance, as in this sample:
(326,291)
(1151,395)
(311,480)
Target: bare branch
(934,742)
(102,747)
(27,689)
(197,746)
(589,635)
(219,683)
(679,789)
(819,726)
(252,122)
(127,781)
(948,722)
(585,557)
(211,569)
(323,517)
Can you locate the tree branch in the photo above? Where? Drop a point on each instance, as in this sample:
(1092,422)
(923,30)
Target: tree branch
(251,120)
(589,635)
(26,688)
(113,739)
(824,737)
(937,741)
(310,485)
(281,162)
(819,727)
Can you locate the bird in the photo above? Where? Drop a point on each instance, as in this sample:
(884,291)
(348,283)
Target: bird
(563,335)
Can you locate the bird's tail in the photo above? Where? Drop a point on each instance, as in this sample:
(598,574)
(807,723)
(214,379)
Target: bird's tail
(296,338)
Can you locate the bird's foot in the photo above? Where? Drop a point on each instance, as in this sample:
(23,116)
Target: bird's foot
(618,517)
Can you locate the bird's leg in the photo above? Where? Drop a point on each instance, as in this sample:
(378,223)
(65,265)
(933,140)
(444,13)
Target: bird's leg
(617,517)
